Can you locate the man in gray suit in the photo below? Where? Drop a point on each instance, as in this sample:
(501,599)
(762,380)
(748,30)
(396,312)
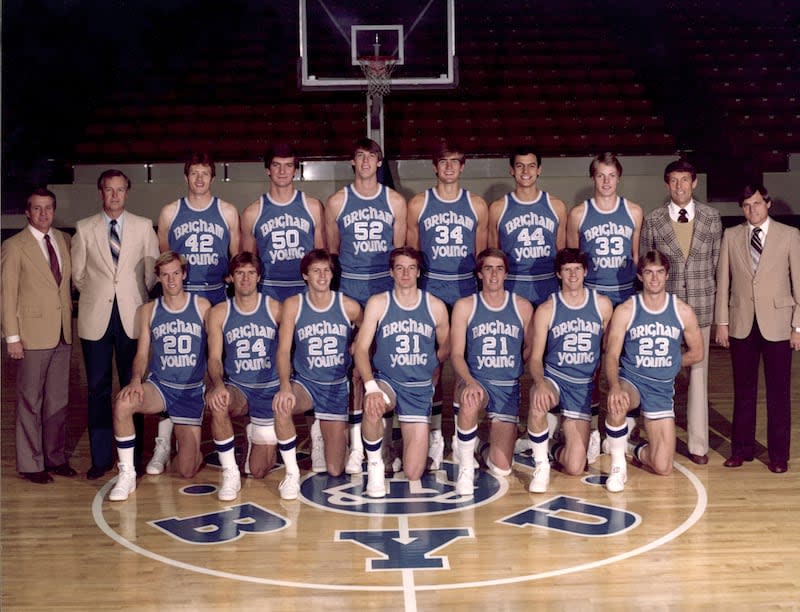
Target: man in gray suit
(37,326)
(758,315)
(689,234)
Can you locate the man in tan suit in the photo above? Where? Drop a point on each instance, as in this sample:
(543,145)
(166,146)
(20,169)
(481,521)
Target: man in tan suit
(758,315)
(37,326)
(113,254)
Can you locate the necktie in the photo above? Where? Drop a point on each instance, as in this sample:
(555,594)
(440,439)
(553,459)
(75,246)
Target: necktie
(755,247)
(682,218)
(54,267)
(113,240)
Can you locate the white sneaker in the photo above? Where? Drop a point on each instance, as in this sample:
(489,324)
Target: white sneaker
(436,448)
(376,484)
(126,483)
(231,484)
(593,451)
(465,483)
(615,482)
(355,461)
(248,430)
(522,445)
(290,486)
(318,463)
(541,478)
(160,457)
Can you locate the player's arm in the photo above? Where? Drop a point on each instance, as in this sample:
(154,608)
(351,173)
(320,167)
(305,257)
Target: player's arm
(638,221)
(133,390)
(231,216)
(247,239)
(493,229)
(542,397)
(374,402)
(482,228)
(561,214)
(332,210)
(353,311)
(284,400)
(606,311)
(217,396)
(165,218)
(414,211)
(318,216)
(525,309)
(573,226)
(695,348)
(473,391)
(439,311)
(398,206)
(618,400)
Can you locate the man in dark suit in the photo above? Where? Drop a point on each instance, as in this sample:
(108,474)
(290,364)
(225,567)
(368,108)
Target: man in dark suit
(689,232)
(113,255)
(37,326)
(758,315)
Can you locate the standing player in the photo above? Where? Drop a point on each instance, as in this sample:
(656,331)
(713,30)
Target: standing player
(205,230)
(363,222)
(643,357)
(529,225)
(606,227)
(314,356)
(567,340)
(489,338)
(448,225)
(172,326)
(404,326)
(282,226)
(242,346)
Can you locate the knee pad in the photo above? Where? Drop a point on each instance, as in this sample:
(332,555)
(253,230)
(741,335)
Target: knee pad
(264,434)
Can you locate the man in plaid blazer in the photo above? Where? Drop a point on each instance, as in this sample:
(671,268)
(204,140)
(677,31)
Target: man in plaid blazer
(689,234)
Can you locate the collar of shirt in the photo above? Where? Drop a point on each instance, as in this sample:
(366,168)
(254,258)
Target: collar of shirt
(120,223)
(674,209)
(764,230)
(40,241)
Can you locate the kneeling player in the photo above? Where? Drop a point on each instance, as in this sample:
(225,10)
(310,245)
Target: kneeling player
(406,324)
(489,340)
(567,339)
(172,326)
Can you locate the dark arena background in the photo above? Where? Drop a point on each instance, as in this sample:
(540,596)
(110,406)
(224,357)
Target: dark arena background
(139,85)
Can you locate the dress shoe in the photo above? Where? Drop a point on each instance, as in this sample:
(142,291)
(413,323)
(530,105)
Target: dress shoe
(698,459)
(40,477)
(65,469)
(97,471)
(736,461)
(779,467)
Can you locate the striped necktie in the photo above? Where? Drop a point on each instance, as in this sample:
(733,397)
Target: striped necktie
(113,241)
(755,247)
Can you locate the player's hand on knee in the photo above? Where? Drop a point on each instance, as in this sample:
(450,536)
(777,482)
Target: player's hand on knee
(283,403)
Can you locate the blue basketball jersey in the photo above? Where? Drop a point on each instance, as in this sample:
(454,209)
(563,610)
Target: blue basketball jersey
(250,344)
(178,345)
(447,231)
(405,341)
(652,346)
(203,238)
(574,339)
(527,235)
(284,233)
(495,339)
(607,239)
(366,231)
(322,341)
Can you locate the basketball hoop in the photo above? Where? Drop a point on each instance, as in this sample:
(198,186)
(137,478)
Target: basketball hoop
(378,71)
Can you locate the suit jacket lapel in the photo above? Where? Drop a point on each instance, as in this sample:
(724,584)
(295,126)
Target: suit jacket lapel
(698,232)
(34,252)
(101,238)
(670,240)
(742,248)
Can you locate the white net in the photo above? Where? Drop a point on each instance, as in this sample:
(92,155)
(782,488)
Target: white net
(378,71)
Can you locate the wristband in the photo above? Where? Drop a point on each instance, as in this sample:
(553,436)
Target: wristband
(371,386)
